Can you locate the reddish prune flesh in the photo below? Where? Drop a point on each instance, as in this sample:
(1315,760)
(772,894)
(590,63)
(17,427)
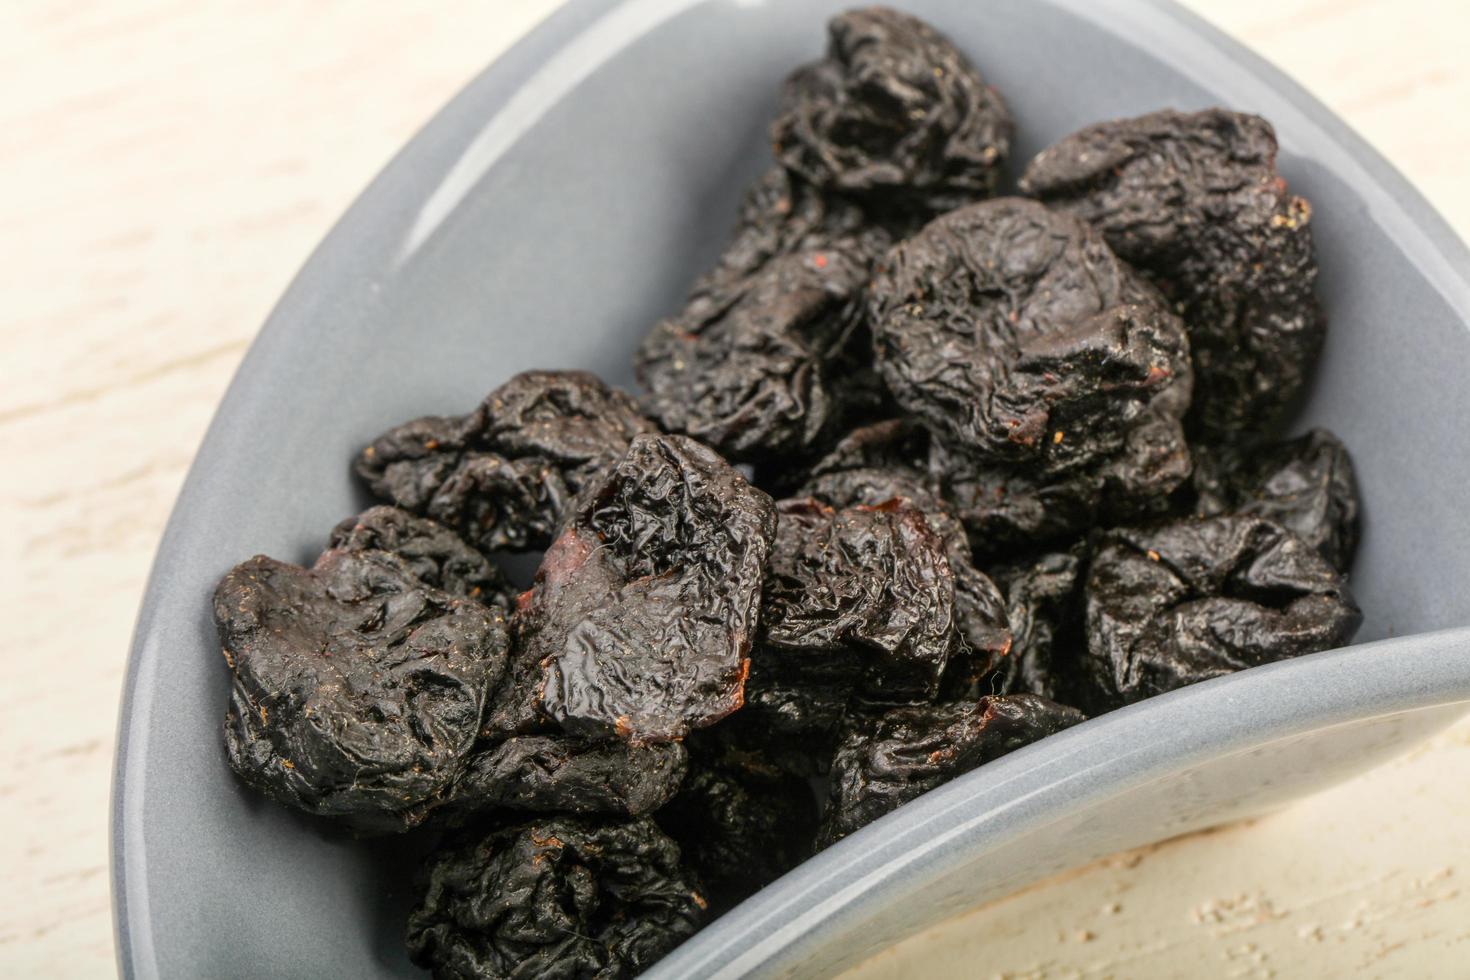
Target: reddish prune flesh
(645,608)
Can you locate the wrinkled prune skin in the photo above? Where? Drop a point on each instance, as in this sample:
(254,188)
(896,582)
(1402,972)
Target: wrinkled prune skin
(1045,609)
(560,899)
(886,760)
(1052,377)
(357,689)
(560,774)
(748,367)
(1192,599)
(1003,324)
(740,828)
(780,215)
(644,609)
(875,578)
(1195,202)
(505,475)
(875,464)
(893,113)
(438,557)
(1306,485)
(1010,509)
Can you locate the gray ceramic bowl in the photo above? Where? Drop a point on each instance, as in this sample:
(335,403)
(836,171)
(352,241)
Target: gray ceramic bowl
(544,219)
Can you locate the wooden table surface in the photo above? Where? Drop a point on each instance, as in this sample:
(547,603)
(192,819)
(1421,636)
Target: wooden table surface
(167,168)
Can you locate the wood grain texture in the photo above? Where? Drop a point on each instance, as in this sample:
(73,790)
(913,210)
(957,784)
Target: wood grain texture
(167,168)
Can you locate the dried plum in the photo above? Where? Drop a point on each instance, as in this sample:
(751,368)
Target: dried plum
(875,464)
(357,689)
(505,475)
(886,760)
(556,898)
(1306,485)
(1003,324)
(749,368)
(893,113)
(1195,202)
(874,578)
(561,774)
(644,609)
(437,555)
(781,214)
(1052,377)
(1193,599)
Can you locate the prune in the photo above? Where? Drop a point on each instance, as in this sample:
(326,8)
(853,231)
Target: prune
(886,760)
(875,464)
(1197,598)
(895,114)
(1306,485)
(556,773)
(1009,509)
(505,475)
(437,556)
(1053,378)
(357,689)
(558,898)
(1195,202)
(1045,610)
(782,214)
(644,609)
(740,829)
(874,578)
(749,368)
(1003,324)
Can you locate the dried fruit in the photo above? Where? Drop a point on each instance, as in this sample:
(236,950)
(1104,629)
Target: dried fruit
(645,608)
(357,689)
(887,759)
(751,368)
(874,580)
(740,828)
(561,897)
(1306,485)
(437,556)
(561,774)
(1195,202)
(893,113)
(1198,598)
(505,475)
(875,464)
(1052,377)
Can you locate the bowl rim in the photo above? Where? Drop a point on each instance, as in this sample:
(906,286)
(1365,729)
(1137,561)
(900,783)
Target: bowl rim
(1184,41)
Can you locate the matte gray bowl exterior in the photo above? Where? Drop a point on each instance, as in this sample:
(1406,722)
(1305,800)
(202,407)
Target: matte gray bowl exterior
(545,218)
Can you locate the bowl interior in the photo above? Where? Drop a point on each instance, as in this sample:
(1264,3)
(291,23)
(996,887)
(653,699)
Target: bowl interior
(546,219)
